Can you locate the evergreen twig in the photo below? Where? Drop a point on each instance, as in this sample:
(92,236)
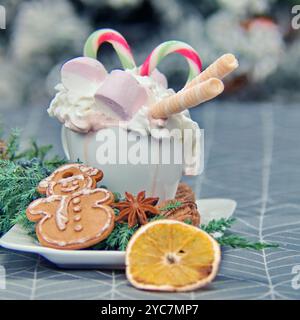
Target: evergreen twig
(171,205)
(13,144)
(17,190)
(20,174)
(218,226)
(121,235)
(34,151)
(236,241)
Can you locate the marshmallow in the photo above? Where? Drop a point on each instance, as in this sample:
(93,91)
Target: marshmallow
(82,75)
(122,93)
(159,78)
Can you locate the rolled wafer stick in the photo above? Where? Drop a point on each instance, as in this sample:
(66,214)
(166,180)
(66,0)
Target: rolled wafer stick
(218,69)
(186,99)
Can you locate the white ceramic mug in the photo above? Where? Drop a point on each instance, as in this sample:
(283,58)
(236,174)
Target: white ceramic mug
(157,179)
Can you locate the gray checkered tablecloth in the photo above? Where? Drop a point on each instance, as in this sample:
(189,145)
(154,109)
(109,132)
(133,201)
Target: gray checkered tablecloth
(252,155)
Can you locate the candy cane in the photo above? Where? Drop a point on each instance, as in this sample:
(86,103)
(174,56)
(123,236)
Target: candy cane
(168,47)
(97,38)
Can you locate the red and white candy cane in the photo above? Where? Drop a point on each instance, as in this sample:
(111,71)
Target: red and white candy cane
(164,49)
(97,38)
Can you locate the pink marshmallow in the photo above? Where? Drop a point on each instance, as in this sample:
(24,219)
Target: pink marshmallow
(160,78)
(122,93)
(83,75)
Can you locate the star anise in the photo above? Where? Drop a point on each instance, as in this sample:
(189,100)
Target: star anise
(136,209)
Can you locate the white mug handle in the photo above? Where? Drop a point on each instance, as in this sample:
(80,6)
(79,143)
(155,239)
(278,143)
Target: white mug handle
(64,142)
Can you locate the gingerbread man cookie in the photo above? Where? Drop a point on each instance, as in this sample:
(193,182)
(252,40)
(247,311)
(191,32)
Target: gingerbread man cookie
(75,214)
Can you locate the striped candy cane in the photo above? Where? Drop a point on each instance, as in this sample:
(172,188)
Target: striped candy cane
(168,47)
(119,43)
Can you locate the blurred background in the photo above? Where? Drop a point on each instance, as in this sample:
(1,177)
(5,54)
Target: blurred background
(41,35)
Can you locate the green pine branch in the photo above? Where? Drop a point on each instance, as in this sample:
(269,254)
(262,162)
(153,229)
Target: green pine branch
(171,205)
(220,229)
(13,144)
(20,174)
(22,220)
(235,241)
(218,226)
(121,235)
(34,151)
(17,189)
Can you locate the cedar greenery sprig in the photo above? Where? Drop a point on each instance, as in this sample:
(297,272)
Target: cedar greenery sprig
(219,229)
(218,226)
(236,241)
(121,235)
(17,190)
(34,151)
(171,205)
(20,173)
(27,225)
(118,239)
(13,144)
(18,182)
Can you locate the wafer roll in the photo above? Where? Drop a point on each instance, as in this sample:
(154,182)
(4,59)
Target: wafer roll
(218,69)
(187,99)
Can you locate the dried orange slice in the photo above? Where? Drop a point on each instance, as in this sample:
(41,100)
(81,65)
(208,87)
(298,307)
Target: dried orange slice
(168,255)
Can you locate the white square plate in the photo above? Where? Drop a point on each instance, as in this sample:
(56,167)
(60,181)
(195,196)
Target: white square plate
(17,239)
